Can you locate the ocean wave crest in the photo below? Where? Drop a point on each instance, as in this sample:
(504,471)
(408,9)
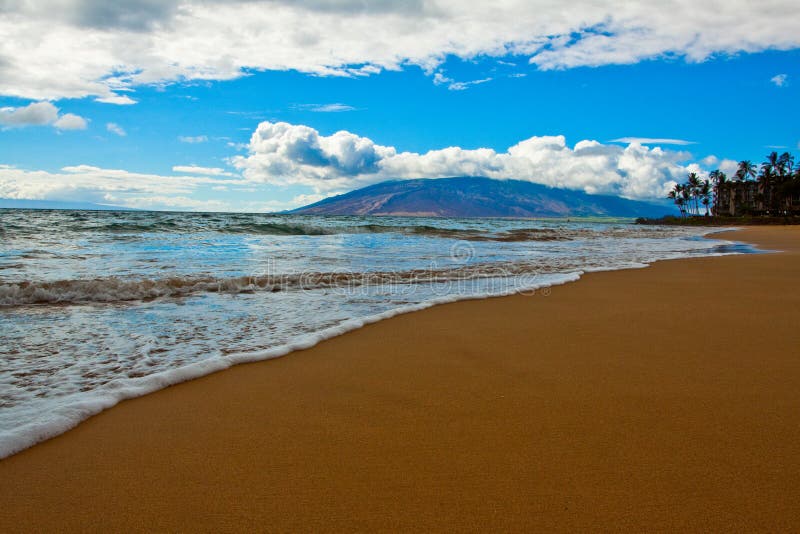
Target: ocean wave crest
(116,290)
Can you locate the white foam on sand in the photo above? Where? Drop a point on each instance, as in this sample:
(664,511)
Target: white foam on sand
(75,407)
(78,407)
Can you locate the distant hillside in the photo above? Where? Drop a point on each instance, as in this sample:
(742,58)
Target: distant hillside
(478,197)
(55,205)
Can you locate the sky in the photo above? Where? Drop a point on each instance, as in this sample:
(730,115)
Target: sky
(244,105)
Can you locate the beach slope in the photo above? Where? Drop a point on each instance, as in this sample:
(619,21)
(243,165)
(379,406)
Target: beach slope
(653,399)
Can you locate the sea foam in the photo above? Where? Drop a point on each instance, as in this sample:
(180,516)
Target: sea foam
(96,308)
(80,406)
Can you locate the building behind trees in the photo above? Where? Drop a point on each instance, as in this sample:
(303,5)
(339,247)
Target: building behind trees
(771,190)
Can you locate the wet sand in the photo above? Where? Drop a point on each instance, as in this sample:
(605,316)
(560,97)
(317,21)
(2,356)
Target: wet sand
(654,399)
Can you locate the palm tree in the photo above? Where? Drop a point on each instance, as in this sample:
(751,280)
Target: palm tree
(766,180)
(777,190)
(717,177)
(746,169)
(675,195)
(705,192)
(772,162)
(694,186)
(718,180)
(774,172)
(784,168)
(785,165)
(686,195)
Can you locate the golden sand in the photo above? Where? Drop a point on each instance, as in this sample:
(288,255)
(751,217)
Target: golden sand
(655,399)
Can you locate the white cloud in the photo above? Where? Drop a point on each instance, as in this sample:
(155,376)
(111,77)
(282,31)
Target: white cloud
(709,161)
(120,100)
(87,183)
(441,79)
(780,80)
(160,202)
(728,166)
(652,141)
(304,200)
(75,48)
(461,86)
(40,114)
(207,171)
(327,108)
(284,154)
(192,139)
(70,121)
(35,114)
(115,128)
(237,146)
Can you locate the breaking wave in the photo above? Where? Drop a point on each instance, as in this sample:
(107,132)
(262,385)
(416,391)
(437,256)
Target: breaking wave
(96,306)
(116,289)
(232,225)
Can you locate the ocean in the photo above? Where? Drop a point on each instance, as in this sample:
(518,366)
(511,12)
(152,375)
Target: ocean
(96,307)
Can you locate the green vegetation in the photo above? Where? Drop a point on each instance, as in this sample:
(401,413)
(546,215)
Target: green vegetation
(769,194)
(690,195)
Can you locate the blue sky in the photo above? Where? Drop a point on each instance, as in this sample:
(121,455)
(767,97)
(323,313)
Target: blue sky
(186,142)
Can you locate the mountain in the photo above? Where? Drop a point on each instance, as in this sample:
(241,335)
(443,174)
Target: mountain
(478,197)
(56,205)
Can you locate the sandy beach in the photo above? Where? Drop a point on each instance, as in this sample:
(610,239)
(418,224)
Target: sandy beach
(654,399)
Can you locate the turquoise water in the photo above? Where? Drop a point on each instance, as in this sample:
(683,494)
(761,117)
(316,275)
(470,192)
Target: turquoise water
(96,307)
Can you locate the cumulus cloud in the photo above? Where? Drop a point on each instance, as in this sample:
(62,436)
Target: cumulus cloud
(70,121)
(284,154)
(40,114)
(116,129)
(710,161)
(35,114)
(728,166)
(88,183)
(76,48)
(780,80)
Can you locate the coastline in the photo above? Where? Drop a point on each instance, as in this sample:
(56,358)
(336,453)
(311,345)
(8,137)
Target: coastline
(605,404)
(72,410)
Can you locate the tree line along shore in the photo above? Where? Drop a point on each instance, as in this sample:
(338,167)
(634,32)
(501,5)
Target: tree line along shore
(756,194)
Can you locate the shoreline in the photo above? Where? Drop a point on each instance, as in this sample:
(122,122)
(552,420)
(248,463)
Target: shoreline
(203,368)
(315,441)
(129,389)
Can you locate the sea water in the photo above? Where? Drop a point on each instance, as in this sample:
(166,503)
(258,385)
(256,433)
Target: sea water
(96,307)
